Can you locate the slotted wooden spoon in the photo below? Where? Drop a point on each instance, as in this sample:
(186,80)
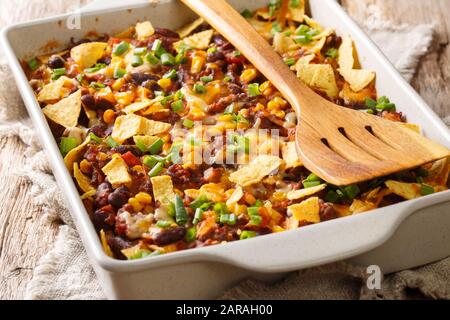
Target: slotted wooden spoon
(340,145)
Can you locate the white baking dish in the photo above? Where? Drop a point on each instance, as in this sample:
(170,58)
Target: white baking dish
(401,236)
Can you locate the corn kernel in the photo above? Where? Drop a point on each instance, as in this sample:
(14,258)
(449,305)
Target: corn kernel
(139,169)
(259,107)
(225,118)
(277,229)
(230,125)
(248,75)
(280,101)
(165,83)
(85,166)
(101,156)
(249,198)
(118,84)
(279,113)
(124,98)
(196,114)
(265,86)
(272,105)
(137,206)
(238,208)
(143,197)
(109,116)
(198,61)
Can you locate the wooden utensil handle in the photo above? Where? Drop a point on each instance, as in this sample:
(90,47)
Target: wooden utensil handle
(220,15)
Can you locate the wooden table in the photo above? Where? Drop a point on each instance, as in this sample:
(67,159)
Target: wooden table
(25,236)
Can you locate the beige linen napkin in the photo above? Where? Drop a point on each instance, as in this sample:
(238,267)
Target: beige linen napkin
(65,273)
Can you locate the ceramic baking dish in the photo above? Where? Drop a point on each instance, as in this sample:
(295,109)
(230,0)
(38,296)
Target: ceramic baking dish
(401,236)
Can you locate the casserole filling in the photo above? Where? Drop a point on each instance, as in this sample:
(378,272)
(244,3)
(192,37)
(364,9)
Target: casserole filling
(176,141)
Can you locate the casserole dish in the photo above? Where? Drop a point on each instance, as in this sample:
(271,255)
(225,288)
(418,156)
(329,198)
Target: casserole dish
(205,272)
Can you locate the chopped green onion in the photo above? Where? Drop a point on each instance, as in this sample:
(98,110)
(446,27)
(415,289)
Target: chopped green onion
(188,123)
(370,111)
(119,72)
(191,234)
(33,64)
(332,197)
(382,103)
(171,209)
(97,67)
(167,59)
(67,144)
(95,138)
(229,109)
(289,61)
(220,208)
(197,216)
(302,29)
(236,54)
(241,144)
(255,220)
(246,234)
(141,146)
(179,95)
(156,146)
(152,59)
(80,77)
(121,48)
(351,191)
(111,142)
(253,211)
(331,53)
(172,74)
(150,161)
(197,203)
(181,215)
(310,184)
(246,14)
(137,61)
(227,79)
(276,28)
(294,3)
(426,190)
(206,79)
(177,106)
(199,88)
(212,50)
(303,39)
(97,85)
(156,170)
(57,73)
(253,90)
(163,224)
(167,99)
(229,219)
(156,45)
(140,51)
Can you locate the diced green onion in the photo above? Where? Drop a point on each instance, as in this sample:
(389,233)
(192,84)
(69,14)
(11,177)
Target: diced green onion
(220,208)
(95,138)
(227,79)
(150,161)
(212,50)
(119,72)
(97,67)
(370,111)
(332,197)
(167,59)
(246,14)
(229,109)
(351,191)
(156,170)
(302,29)
(253,211)
(156,146)
(246,234)
(310,184)
(121,48)
(163,224)
(97,85)
(331,53)
(188,123)
(140,51)
(171,209)
(137,61)
(80,77)
(177,105)
(303,39)
(229,219)
(167,99)
(241,144)
(253,90)
(255,220)
(156,45)
(382,103)
(199,88)
(67,144)
(181,215)
(197,216)
(426,190)
(172,74)
(294,3)
(33,64)
(111,142)
(57,73)
(191,234)
(179,95)
(276,28)
(141,146)
(206,79)
(181,59)
(197,203)
(152,59)
(289,61)
(236,54)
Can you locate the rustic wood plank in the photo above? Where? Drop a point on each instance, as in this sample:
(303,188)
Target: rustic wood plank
(25,236)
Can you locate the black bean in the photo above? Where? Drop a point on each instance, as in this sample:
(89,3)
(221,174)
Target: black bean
(104,218)
(166,236)
(119,197)
(104,104)
(88,101)
(327,212)
(127,148)
(151,85)
(140,77)
(56,62)
(167,33)
(213,57)
(100,130)
(102,194)
(117,244)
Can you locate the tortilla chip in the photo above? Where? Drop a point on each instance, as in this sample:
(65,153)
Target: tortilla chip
(283,43)
(130,125)
(303,193)
(296,13)
(83,181)
(312,23)
(408,191)
(414,127)
(317,46)
(346,58)
(66,111)
(75,154)
(105,244)
(198,41)
(257,170)
(318,76)
(54,90)
(137,106)
(163,189)
(307,210)
(88,195)
(189,28)
(290,156)
(342,210)
(147,141)
(358,79)
(324,34)
(144,30)
(359,206)
(117,172)
(87,54)
(235,196)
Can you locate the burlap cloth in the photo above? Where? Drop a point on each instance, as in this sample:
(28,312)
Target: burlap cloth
(65,273)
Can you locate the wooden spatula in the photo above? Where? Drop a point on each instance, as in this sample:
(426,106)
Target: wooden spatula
(340,145)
